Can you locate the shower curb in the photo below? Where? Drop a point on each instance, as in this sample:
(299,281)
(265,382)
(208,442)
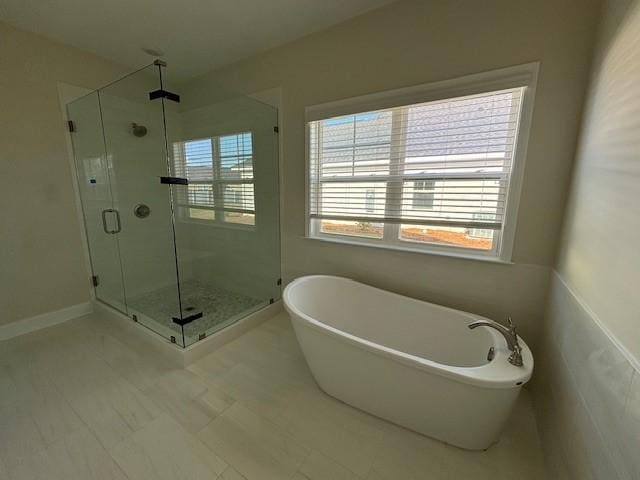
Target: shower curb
(172,352)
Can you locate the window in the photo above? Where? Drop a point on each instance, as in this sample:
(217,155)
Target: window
(482,232)
(370,199)
(221,182)
(434,175)
(423,194)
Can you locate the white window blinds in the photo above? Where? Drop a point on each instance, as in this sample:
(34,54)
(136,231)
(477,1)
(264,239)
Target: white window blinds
(220,174)
(441,163)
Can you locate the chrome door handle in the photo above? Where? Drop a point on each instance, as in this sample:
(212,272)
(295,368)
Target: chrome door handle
(104,220)
(118,224)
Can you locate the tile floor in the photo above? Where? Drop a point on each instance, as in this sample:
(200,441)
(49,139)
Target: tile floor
(79,401)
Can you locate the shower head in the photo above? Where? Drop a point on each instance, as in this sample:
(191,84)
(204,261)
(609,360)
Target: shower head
(138,130)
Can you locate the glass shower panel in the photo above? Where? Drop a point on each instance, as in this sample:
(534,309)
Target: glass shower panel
(227,217)
(135,144)
(93,174)
(180,201)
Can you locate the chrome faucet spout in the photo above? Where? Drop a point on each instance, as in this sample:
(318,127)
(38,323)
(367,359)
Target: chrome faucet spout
(509,334)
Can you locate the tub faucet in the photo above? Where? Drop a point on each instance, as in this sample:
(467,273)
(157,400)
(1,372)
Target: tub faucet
(509,335)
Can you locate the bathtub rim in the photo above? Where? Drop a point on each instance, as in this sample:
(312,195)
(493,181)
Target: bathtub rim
(498,373)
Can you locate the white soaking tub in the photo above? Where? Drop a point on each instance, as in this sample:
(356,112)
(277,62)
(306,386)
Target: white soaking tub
(413,363)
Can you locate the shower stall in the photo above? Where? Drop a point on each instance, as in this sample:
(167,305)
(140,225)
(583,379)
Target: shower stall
(179,193)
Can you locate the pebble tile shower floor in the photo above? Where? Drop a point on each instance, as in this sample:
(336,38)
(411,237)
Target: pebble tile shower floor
(218,305)
(81,401)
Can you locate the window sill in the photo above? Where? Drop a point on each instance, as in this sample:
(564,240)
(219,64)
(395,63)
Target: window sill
(221,225)
(409,249)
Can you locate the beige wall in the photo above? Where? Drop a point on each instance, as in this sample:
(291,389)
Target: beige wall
(600,254)
(409,42)
(588,387)
(41,259)
(412,42)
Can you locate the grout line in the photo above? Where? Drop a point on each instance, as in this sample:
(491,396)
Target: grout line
(230,467)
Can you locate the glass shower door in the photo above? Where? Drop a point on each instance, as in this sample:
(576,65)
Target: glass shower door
(99,214)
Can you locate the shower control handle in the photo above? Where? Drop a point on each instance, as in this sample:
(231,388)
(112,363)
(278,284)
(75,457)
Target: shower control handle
(104,220)
(141,210)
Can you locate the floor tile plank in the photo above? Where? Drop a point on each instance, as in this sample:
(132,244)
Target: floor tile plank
(163,450)
(255,447)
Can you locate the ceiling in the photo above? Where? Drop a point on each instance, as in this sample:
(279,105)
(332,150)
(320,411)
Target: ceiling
(195,35)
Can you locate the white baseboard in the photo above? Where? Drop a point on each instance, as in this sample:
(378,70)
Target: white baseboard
(44,320)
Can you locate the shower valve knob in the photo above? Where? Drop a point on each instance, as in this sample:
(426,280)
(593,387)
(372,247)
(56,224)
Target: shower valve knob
(141,210)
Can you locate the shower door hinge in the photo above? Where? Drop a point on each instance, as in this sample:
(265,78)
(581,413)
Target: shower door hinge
(276,129)
(71,126)
(174,180)
(95,279)
(161,93)
(183,321)
(279,282)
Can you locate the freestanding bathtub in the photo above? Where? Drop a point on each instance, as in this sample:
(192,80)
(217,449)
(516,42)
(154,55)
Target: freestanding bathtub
(413,363)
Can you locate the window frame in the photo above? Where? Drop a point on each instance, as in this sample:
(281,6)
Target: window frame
(511,77)
(217,184)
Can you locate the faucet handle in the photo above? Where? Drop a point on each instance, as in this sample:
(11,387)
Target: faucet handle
(512,329)
(516,350)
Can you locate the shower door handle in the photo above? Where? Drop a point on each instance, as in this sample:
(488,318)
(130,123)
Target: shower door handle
(118,224)
(104,220)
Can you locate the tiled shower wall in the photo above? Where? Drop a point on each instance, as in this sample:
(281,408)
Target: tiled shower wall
(587,395)
(587,380)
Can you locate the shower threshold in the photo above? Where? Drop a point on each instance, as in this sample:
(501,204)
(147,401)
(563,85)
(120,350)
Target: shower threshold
(133,332)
